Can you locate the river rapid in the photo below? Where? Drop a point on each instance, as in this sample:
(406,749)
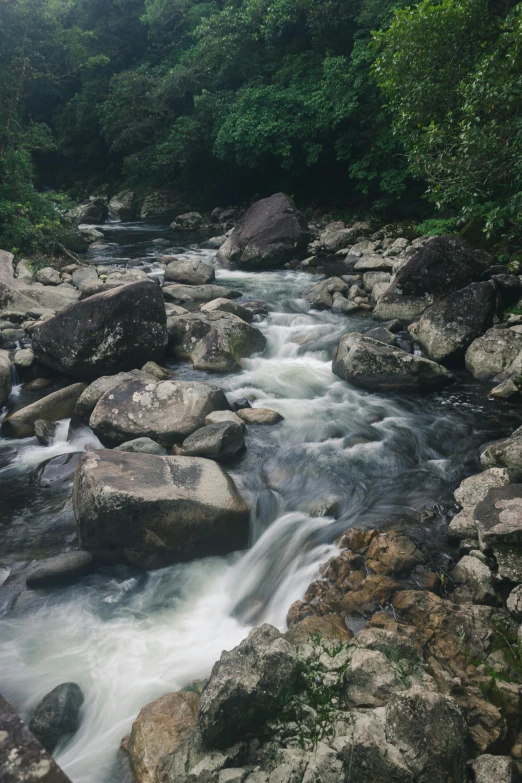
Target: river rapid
(127,637)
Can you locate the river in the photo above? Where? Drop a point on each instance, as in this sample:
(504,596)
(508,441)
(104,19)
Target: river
(127,637)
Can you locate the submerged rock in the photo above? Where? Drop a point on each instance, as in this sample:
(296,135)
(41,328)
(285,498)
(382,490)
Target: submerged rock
(57,716)
(57,405)
(379,367)
(154,511)
(58,569)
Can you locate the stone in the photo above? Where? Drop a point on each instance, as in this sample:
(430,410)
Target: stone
(154,369)
(370,679)
(449,326)
(204,293)
(271,233)
(462,526)
(59,569)
(214,243)
(379,367)
(23,359)
(89,212)
(506,453)
(259,416)
(142,446)
(321,296)
(57,405)
(496,355)
(24,273)
(241,402)
(509,562)
(5,377)
(37,385)
(219,416)
(57,470)
(153,511)
(477,577)
(215,441)
(166,411)
(95,391)
(123,206)
(381,334)
(494,769)
(506,390)
(514,603)
(107,333)
(343,306)
(82,274)
(329,626)
(498,517)
(392,552)
(55,298)
(475,488)
(374,264)
(45,431)
(189,221)
(228,306)
(247,687)
(257,307)
(57,716)
(213,341)
(159,729)
(90,233)
(191,271)
(22,758)
(162,204)
(337,235)
(48,276)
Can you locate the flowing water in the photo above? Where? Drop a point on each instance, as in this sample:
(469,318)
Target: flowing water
(127,637)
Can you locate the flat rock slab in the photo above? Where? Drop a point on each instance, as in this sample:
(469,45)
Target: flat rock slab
(153,511)
(498,517)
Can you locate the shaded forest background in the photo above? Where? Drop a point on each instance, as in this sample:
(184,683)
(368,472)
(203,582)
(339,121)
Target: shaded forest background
(360,106)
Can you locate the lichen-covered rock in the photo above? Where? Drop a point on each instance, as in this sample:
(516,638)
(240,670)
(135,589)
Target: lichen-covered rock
(189,221)
(162,204)
(213,341)
(494,769)
(499,517)
(477,578)
(143,446)
(448,326)
(57,405)
(506,454)
(166,411)
(124,205)
(475,488)
(57,716)
(247,687)
(106,333)
(271,233)
(94,392)
(214,441)
(153,511)
(5,376)
(191,271)
(379,367)
(495,355)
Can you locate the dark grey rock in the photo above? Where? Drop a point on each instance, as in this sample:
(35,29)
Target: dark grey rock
(57,716)
(143,446)
(215,441)
(62,568)
(45,431)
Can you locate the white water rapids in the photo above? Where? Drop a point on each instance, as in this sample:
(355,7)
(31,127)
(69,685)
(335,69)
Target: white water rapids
(127,637)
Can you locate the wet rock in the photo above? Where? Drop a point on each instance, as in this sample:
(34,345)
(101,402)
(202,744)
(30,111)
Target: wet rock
(57,470)
(259,416)
(37,385)
(95,391)
(321,296)
(507,390)
(475,488)
(494,769)
(241,402)
(499,517)
(506,453)
(462,526)
(191,271)
(214,441)
(220,416)
(343,306)
(514,603)
(228,306)
(257,307)
(123,206)
(379,367)
(166,411)
(5,376)
(159,729)
(247,687)
(22,757)
(189,221)
(271,233)
(154,511)
(393,553)
(213,341)
(57,716)
(45,431)
(477,577)
(106,333)
(450,325)
(48,276)
(205,293)
(142,446)
(497,354)
(57,405)
(59,569)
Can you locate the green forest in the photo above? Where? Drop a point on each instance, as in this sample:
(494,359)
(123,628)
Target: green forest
(362,106)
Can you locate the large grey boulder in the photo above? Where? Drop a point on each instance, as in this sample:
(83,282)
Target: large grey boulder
(228,306)
(161,204)
(5,376)
(213,341)
(95,391)
(450,325)
(165,411)
(153,511)
(189,221)
(439,267)
(247,687)
(191,271)
(379,367)
(89,212)
(106,333)
(498,517)
(271,232)
(57,405)
(506,453)
(181,293)
(321,296)
(497,354)
(48,276)
(215,441)
(57,716)
(123,206)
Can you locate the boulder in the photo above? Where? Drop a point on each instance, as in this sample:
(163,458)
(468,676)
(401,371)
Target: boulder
(214,341)
(507,390)
(271,233)
(57,405)
(153,511)
(90,234)
(247,687)
(154,369)
(159,729)
(218,416)
(24,273)
(497,354)
(123,206)
(22,757)
(57,716)
(48,276)
(95,391)
(321,296)
(450,325)
(5,377)
(25,298)
(337,235)
(214,441)
(189,221)
(59,569)
(514,603)
(106,333)
(83,273)
(494,769)
(89,288)
(142,446)
(438,268)
(476,576)
(475,488)
(228,306)
(191,271)
(205,293)
(45,431)
(90,212)
(379,367)
(498,517)
(507,454)
(165,411)
(23,359)
(161,204)
(392,552)
(259,416)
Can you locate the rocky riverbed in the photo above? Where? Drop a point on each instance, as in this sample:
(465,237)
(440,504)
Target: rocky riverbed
(314,467)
